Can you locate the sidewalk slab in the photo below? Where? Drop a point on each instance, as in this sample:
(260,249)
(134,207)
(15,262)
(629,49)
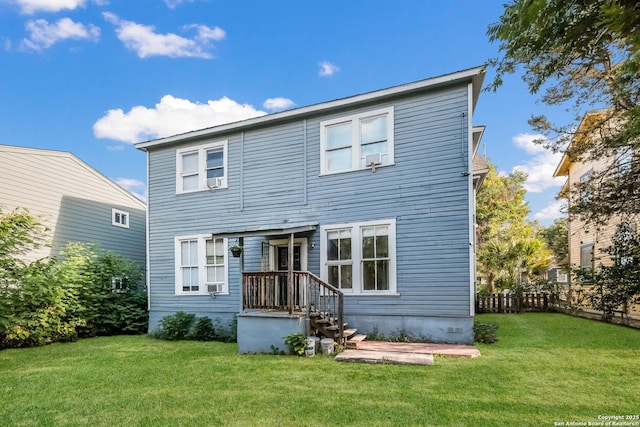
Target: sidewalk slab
(391,357)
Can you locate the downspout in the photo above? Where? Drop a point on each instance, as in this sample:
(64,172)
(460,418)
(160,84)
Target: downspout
(147,263)
(471,197)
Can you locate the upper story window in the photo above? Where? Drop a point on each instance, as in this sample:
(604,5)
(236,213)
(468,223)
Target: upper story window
(357,142)
(201,265)
(201,168)
(623,161)
(585,187)
(359,258)
(120,218)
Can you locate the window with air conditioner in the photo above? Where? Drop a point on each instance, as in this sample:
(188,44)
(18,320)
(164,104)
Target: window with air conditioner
(201,265)
(201,168)
(356,142)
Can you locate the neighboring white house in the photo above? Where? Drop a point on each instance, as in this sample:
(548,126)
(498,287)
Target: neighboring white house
(75,201)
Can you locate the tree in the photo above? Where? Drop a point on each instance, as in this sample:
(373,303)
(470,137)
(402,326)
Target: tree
(510,249)
(501,206)
(585,53)
(617,285)
(557,238)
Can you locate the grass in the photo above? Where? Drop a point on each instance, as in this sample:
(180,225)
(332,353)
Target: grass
(546,369)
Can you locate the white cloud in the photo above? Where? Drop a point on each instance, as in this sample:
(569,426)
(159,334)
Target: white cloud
(31,6)
(279,103)
(540,167)
(327,69)
(172,4)
(43,35)
(143,39)
(170,117)
(207,33)
(134,186)
(554,210)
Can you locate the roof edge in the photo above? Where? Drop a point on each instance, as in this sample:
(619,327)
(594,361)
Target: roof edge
(475,75)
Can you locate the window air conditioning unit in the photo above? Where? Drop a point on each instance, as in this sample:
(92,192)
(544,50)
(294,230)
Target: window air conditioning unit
(214,183)
(372,160)
(214,288)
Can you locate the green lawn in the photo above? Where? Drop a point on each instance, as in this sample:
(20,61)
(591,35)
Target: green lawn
(546,369)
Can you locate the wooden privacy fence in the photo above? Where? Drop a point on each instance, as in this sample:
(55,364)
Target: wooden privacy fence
(517,303)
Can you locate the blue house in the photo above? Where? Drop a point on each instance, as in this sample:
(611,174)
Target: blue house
(356,213)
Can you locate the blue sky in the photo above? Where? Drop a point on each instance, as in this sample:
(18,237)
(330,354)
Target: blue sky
(95,76)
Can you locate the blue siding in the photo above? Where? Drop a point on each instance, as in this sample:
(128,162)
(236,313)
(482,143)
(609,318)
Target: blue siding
(426,191)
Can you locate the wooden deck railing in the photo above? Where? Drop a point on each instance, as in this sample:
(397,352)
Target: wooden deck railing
(327,300)
(270,291)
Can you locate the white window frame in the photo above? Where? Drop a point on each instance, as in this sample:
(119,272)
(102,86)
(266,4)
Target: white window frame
(201,151)
(357,159)
(356,255)
(119,284)
(116,218)
(202,265)
(624,161)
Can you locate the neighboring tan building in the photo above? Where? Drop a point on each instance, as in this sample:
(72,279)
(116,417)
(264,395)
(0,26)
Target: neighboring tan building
(75,201)
(586,241)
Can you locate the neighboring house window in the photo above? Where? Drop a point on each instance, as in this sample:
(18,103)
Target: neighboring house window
(624,240)
(119,284)
(200,261)
(201,168)
(585,190)
(359,258)
(586,257)
(119,218)
(623,161)
(354,142)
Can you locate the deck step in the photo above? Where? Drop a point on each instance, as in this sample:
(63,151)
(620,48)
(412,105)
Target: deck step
(352,342)
(348,333)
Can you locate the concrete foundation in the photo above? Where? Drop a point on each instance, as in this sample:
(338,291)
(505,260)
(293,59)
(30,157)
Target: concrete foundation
(265,331)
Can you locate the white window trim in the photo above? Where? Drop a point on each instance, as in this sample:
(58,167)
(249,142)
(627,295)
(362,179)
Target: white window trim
(356,255)
(120,212)
(202,263)
(202,166)
(357,162)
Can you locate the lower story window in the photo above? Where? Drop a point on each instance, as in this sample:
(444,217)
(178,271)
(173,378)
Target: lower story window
(359,257)
(200,261)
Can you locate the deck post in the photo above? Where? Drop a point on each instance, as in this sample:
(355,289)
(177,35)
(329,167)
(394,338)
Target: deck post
(241,268)
(290,275)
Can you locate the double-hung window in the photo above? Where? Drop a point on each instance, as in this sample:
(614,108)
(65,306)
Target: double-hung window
(585,187)
(339,261)
(359,258)
(357,142)
(201,168)
(586,261)
(623,161)
(200,261)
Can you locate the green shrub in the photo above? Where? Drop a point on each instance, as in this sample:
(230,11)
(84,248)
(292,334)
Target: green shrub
(176,326)
(296,343)
(186,326)
(202,330)
(485,332)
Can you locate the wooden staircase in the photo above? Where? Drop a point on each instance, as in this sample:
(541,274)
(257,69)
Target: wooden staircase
(322,323)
